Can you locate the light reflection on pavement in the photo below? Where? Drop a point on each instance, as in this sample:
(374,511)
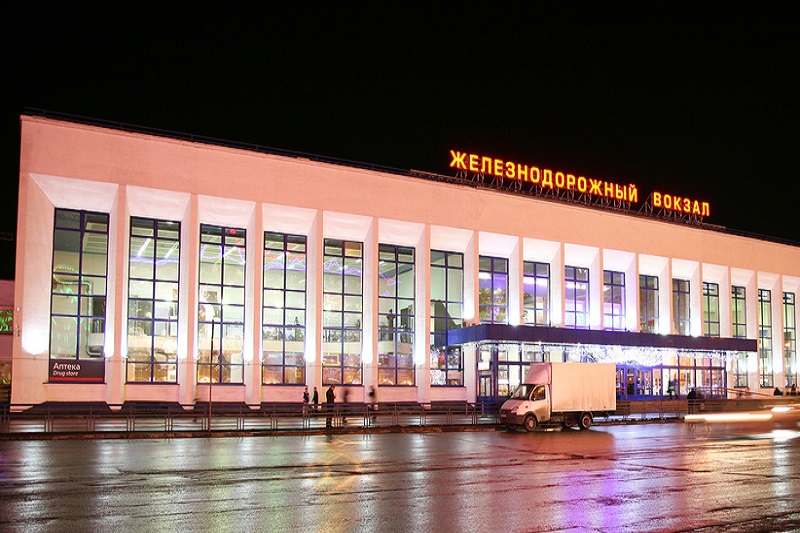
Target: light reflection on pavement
(647,477)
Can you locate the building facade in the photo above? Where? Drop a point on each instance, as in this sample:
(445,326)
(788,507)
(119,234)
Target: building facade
(151,268)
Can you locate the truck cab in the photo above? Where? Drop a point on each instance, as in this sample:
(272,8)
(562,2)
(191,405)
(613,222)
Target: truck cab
(528,406)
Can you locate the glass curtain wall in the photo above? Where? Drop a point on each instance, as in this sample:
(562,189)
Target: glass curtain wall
(447,311)
(739,330)
(153,281)
(536,293)
(765,337)
(576,297)
(343,294)
(648,304)
(681,321)
(221,298)
(710,309)
(284,309)
(493,290)
(789,339)
(396,287)
(614,300)
(78,289)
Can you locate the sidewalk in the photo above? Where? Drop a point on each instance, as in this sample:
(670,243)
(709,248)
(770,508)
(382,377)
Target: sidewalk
(100,421)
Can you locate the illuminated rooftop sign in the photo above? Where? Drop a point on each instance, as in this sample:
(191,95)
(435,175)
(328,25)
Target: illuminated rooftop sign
(564,184)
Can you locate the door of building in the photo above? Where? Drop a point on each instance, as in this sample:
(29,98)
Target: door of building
(486,386)
(634,382)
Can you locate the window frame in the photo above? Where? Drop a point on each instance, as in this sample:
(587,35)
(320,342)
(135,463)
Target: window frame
(86,312)
(446,362)
(711,327)
(765,339)
(681,306)
(738,310)
(395,327)
(496,310)
(648,299)
(613,287)
(571,311)
(535,272)
(342,326)
(284,313)
(149,369)
(221,296)
(790,338)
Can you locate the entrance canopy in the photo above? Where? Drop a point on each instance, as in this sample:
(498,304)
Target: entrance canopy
(603,346)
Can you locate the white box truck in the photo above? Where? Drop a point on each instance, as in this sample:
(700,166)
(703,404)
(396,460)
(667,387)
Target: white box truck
(571,394)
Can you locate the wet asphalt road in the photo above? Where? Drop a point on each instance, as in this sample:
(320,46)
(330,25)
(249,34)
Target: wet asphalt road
(649,477)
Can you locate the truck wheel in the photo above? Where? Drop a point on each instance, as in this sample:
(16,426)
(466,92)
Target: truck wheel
(585,420)
(530,423)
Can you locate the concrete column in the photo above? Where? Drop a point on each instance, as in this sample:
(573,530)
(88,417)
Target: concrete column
(422,322)
(116,298)
(369,319)
(254,283)
(471,269)
(314,273)
(187,303)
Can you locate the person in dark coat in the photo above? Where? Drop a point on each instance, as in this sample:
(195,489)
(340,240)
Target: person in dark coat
(692,397)
(330,397)
(315,399)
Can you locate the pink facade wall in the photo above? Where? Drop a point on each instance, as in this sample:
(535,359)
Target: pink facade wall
(115,167)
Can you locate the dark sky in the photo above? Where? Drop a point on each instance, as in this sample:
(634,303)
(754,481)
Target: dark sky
(698,99)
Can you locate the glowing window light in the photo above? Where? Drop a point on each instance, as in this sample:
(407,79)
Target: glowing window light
(144,246)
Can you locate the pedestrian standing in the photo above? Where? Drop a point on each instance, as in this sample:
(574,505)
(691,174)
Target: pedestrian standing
(330,397)
(305,401)
(315,399)
(373,400)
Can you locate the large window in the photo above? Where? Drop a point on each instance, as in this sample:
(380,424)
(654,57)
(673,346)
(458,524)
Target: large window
(739,327)
(576,297)
(738,312)
(395,315)
(648,304)
(740,370)
(153,279)
(765,337)
(710,309)
(221,297)
(681,318)
(447,311)
(342,289)
(789,339)
(614,300)
(78,294)
(493,290)
(536,287)
(284,309)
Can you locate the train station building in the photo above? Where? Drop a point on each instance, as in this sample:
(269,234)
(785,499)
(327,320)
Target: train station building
(156,267)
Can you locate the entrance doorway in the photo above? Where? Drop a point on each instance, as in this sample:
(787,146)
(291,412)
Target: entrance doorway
(635,383)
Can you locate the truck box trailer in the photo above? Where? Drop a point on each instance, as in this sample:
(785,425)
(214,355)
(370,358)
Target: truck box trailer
(571,394)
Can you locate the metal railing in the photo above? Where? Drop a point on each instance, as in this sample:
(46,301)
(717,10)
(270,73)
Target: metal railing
(167,418)
(173,418)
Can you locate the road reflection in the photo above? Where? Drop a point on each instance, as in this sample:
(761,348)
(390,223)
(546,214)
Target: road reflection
(626,478)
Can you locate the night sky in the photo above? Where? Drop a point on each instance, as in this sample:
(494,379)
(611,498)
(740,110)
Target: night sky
(697,99)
